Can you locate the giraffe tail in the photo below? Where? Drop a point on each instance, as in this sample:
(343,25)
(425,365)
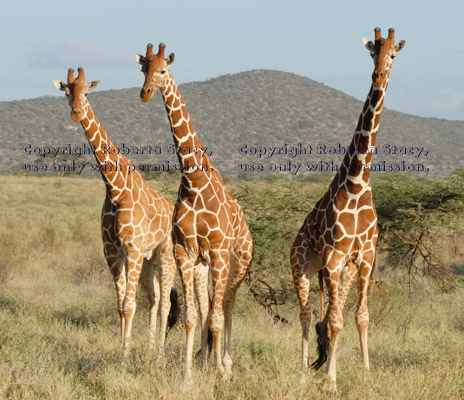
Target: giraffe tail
(321,331)
(321,291)
(373,275)
(174,311)
(210,342)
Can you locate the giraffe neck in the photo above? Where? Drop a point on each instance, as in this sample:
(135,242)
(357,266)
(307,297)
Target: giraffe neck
(114,167)
(197,166)
(354,171)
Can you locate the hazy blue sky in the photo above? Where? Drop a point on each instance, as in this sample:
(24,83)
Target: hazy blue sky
(318,39)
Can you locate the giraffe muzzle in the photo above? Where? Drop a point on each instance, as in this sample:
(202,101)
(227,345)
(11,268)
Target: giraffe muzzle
(76,115)
(146,94)
(378,77)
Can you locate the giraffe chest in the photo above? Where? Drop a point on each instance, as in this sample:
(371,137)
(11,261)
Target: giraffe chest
(135,225)
(344,223)
(207,222)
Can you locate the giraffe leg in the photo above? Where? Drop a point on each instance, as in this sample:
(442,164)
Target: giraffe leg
(117,269)
(302,283)
(334,317)
(303,265)
(134,269)
(239,263)
(152,289)
(186,269)
(167,273)
(201,290)
(362,314)
(346,280)
(120,282)
(219,268)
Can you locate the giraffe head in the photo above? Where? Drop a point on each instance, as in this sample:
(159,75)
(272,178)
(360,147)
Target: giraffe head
(155,68)
(76,90)
(383,51)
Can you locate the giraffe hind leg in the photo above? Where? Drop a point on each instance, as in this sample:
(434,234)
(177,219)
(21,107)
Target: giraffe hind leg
(240,262)
(321,331)
(304,263)
(169,304)
(302,284)
(151,286)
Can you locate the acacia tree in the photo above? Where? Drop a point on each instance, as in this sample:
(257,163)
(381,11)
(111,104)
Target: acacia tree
(418,218)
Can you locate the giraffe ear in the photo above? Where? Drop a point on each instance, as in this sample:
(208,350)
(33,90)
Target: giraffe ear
(400,46)
(60,85)
(369,45)
(170,59)
(92,85)
(140,59)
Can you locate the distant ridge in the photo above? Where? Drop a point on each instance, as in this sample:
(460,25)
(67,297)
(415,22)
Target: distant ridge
(259,108)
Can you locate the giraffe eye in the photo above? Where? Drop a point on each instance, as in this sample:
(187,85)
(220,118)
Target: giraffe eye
(392,56)
(163,72)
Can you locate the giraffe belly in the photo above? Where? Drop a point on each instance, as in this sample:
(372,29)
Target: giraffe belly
(148,254)
(313,263)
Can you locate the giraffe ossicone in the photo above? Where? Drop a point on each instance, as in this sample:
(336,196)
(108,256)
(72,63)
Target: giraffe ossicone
(136,221)
(209,228)
(338,237)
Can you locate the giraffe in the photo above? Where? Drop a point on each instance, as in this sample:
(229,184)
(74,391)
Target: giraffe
(338,237)
(209,227)
(136,220)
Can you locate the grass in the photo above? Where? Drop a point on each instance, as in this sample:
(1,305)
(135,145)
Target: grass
(59,326)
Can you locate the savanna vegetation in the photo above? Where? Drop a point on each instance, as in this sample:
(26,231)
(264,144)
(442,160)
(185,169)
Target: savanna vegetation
(59,326)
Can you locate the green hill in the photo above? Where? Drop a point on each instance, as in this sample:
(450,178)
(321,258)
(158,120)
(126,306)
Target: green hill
(255,108)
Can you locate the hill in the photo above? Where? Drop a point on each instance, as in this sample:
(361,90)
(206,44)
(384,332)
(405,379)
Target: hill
(255,108)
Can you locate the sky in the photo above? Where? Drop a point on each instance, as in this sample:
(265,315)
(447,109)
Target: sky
(321,40)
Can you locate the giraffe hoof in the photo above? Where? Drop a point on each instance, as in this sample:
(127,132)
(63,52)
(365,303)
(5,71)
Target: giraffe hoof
(329,386)
(222,374)
(188,380)
(227,363)
(125,354)
(227,374)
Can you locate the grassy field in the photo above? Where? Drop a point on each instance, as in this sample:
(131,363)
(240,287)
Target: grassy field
(59,326)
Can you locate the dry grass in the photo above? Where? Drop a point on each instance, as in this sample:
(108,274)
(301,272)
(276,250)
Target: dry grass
(59,336)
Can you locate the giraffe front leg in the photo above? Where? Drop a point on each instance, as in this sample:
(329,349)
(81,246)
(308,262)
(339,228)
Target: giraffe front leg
(201,290)
(347,278)
(117,269)
(362,313)
(219,269)
(167,273)
(334,317)
(134,268)
(120,283)
(186,270)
